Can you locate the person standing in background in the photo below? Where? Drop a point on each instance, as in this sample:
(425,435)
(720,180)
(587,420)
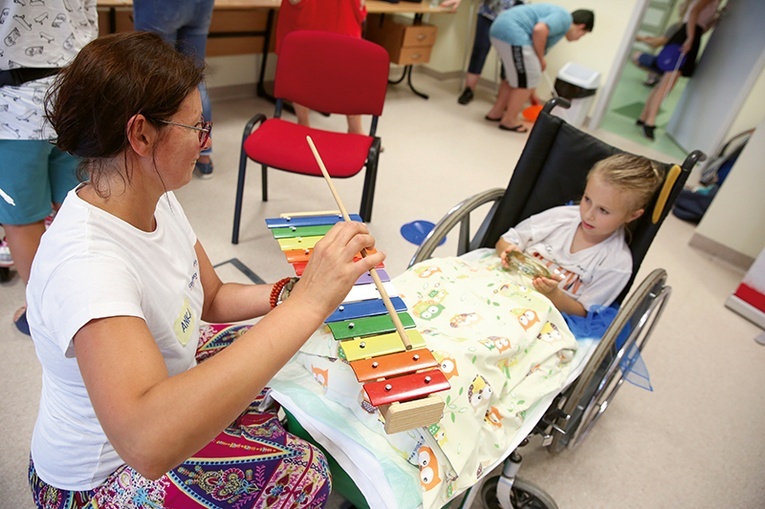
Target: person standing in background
(37,40)
(185,25)
(522,36)
(699,18)
(487,13)
(343,17)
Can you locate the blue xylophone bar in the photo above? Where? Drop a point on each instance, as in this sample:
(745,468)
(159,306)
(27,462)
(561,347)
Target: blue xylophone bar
(285,222)
(363,308)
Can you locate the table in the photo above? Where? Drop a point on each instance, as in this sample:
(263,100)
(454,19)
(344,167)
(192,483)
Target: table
(246,26)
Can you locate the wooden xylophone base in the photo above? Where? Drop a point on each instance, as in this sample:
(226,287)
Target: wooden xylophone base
(412,414)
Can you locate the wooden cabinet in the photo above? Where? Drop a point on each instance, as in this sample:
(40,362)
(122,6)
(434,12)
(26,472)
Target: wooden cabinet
(405,42)
(232,31)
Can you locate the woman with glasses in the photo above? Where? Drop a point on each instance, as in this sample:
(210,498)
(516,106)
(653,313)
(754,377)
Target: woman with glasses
(129,416)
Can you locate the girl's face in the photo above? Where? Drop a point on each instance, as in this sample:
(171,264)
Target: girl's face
(180,146)
(604,208)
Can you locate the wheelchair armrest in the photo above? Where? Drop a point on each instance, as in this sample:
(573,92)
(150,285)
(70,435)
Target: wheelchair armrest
(556,101)
(459,214)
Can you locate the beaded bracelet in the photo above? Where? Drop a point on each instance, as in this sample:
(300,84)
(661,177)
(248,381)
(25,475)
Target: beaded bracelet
(281,290)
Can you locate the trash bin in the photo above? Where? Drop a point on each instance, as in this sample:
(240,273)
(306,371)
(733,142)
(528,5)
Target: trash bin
(578,84)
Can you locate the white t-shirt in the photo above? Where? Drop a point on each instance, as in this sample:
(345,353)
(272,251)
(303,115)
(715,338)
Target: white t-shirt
(595,275)
(38,34)
(91,265)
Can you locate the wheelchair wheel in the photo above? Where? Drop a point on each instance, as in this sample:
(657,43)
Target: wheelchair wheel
(523,495)
(591,394)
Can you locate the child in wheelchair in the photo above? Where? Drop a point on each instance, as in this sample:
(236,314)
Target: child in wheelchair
(584,246)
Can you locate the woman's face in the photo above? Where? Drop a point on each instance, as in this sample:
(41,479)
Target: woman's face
(179,147)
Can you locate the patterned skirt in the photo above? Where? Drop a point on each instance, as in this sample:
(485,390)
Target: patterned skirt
(254,463)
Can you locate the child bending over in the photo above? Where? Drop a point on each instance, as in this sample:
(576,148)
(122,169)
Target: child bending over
(584,245)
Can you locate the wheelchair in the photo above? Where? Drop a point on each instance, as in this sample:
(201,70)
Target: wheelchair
(551,171)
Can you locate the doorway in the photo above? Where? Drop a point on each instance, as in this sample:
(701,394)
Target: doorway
(630,91)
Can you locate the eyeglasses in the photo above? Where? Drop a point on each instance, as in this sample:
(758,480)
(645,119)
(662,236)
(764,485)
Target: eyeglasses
(204,130)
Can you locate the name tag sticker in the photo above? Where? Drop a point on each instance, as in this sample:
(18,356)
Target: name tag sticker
(185,323)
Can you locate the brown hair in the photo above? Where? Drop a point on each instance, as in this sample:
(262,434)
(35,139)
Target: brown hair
(630,173)
(112,79)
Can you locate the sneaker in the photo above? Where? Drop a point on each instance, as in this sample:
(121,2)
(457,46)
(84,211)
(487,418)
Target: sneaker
(466,96)
(652,80)
(205,169)
(5,254)
(647,131)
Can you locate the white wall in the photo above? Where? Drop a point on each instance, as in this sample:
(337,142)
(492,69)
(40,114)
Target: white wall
(735,218)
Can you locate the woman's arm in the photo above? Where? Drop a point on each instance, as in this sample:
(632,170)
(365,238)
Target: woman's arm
(156,421)
(229,302)
(690,26)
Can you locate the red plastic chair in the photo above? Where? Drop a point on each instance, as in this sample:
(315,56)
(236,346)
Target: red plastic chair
(330,73)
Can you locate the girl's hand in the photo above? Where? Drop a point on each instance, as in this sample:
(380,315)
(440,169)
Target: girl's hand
(546,285)
(503,256)
(331,271)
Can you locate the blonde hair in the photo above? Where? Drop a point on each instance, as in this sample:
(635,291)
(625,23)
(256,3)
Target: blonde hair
(629,172)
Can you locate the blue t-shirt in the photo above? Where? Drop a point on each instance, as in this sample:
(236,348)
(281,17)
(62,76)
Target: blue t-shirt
(515,26)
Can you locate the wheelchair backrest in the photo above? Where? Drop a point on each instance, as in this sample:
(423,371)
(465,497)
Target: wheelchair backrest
(552,171)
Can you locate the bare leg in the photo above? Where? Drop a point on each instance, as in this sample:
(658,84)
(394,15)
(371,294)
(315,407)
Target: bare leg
(652,104)
(23,241)
(516,100)
(302,114)
(498,110)
(354,124)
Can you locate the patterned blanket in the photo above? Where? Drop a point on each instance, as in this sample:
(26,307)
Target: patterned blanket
(503,347)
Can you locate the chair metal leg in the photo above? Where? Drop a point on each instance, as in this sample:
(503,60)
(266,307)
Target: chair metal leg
(239,197)
(370,180)
(264,181)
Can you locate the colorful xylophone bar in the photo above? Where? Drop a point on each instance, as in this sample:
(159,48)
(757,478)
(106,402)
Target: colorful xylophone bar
(401,383)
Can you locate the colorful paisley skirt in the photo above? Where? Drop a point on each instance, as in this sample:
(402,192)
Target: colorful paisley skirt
(254,463)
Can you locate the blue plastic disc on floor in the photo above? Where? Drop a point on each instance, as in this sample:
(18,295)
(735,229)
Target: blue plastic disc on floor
(416,231)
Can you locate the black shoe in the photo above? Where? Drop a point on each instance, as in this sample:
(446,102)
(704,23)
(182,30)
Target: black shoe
(466,96)
(648,131)
(639,123)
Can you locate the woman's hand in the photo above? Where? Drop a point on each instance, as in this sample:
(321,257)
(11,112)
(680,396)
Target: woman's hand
(450,3)
(331,271)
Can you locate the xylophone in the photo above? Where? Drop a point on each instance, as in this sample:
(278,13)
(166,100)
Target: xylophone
(399,377)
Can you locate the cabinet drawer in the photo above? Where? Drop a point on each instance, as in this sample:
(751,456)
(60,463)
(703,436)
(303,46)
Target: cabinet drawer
(419,35)
(409,56)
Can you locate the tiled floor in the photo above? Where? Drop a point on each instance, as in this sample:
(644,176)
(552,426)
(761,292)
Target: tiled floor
(696,441)
(626,104)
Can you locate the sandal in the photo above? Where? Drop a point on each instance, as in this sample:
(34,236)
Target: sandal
(490,119)
(516,129)
(20,320)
